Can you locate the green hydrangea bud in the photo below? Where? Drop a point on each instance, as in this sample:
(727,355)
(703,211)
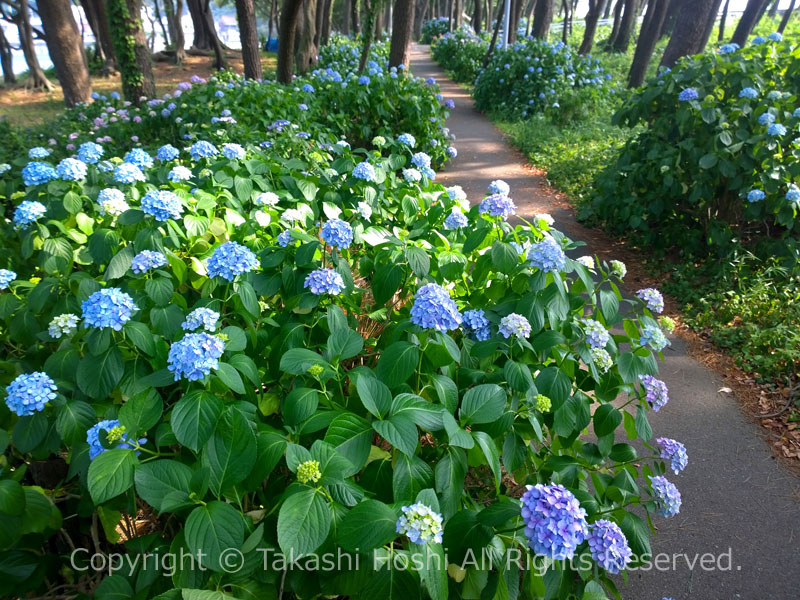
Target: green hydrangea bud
(618,268)
(115,434)
(315,370)
(667,323)
(308,471)
(378,141)
(543,403)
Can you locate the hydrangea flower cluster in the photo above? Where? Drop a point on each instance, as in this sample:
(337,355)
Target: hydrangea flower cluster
(139,157)
(231,259)
(543,403)
(596,334)
(90,153)
(514,325)
(407,139)
(195,355)
(434,309)
(62,325)
(147,260)
(619,269)
(609,546)
(412,175)
(654,337)
(29,211)
(29,392)
(675,452)
(421,524)
(6,277)
(547,256)
(324,281)
(498,186)
(36,173)
(109,307)
(179,173)
(114,433)
(364,210)
(365,171)
(749,93)
(267,199)
(163,205)
(776,130)
(112,202)
(601,359)
(71,169)
(652,298)
(688,95)
(555,523)
(167,152)
(497,205)
(656,391)
(202,149)
(766,119)
(793,194)
(456,219)
(421,160)
(667,496)
(337,233)
(38,153)
(202,317)
(755,195)
(476,325)
(128,173)
(233,151)
(309,471)
(285,238)
(586,261)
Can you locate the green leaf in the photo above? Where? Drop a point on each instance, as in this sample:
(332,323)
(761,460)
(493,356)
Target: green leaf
(304,521)
(164,484)
(482,404)
(298,361)
(593,591)
(141,411)
(504,257)
(638,538)
(12,498)
(490,452)
(141,336)
(385,282)
(609,305)
(120,263)
(397,363)
(344,344)
(211,530)
(300,404)
(606,419)
(375,396)
(708,161)
(194,418)
(159,289)
(352,437)
(230,453)
(111,474)
(74,418)
(228,375)
(410,475)
(400,431)
(419,261)
(450,473)
(369,525)
(30,431)
(336,318)
(99,375)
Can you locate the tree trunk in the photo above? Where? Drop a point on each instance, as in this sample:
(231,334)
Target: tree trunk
(251,55)
(516,13)
(91,17)
(648,38)
(104,33)
(402,26)
(169,12)
(290,14)
(688,34)
(615,27)
(722,20)
(626,26)
(202,38)
(180,39)
(565,24)
(607,11)
(493,43)
(354,17)
(305,50)
(6,60)
(326,22)
(787,14)
(66,50)
(157,10)
(420,12)
(542,18)
(712,19)
(273,18)
(592,17)
(378,26)
(369,23)
(477,16)
(773,10)
(346,10)
(135,66)
(37,80)
(752,13)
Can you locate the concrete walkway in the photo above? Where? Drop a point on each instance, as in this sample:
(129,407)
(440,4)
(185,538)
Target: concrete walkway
(736,498)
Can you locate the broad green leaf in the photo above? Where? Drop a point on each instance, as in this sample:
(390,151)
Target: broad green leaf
(111,474)
(230,453)
(369,525)
(304,521)
(211,530)
(482,404)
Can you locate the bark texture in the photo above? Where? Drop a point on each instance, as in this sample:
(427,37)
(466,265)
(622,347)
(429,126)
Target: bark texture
(596,8)
(542,18)
(286,37)
(689,31)
(402,29)
(751,15)
(251,55)
(130,46)
(648,37)
(65,46)
(305,48)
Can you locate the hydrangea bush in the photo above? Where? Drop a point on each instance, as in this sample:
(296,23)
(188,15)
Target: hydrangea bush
(714,164)
(461,53)
(279,357)
(433,28)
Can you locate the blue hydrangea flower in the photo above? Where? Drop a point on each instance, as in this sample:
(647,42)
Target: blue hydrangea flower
(147,260)
(6,277)
(163,205)
(112,202)
(675,452)
(656,392)
(38,153)
(231,259)
(514,325)
(608,546)
(688,94)
(4,168)
(728,48)
(421,524)
(757,40)
(602,359)
(62,325)
(285,238)
(596,335)
(412,175)
(337,233)
(547,256)
(267,199)
(498,186)
(90,153)
(179,173)
(456,192)
(324,281)
(755,195)
(749,93)
(364,211)
(497,205)
(450,103)
(420,160)
(652,298)
(167,152)
(775,37)
(202,149)
(363,80)
(766,118)
(109,307)
(452,151)
(365,171)
(434,309)
(793,195)
(114,433)
(71,169)
(105,166)
(407,139)
(430,81)
(233,151)
(555,523)
(201,318)
(456,220)
(28,212)
(308,88)
(128,173)
(29,392)
(140,158)
(776,130)
(476,325)
(654,337)
(36,173)
(195,355)
(667,496)
(428,172)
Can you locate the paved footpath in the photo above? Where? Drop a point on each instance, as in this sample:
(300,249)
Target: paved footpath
(736,498)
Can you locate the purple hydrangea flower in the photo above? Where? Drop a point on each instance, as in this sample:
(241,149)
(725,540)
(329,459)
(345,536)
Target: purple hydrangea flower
(667,496)
(688,94)
(324,281)
(497,205)
(656,391)
(555,523)
(434,309)
(652,298)
(654,337)
(514,325)
(596,334)
(675,452)
(195,355)
(547,256)
(609,546)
